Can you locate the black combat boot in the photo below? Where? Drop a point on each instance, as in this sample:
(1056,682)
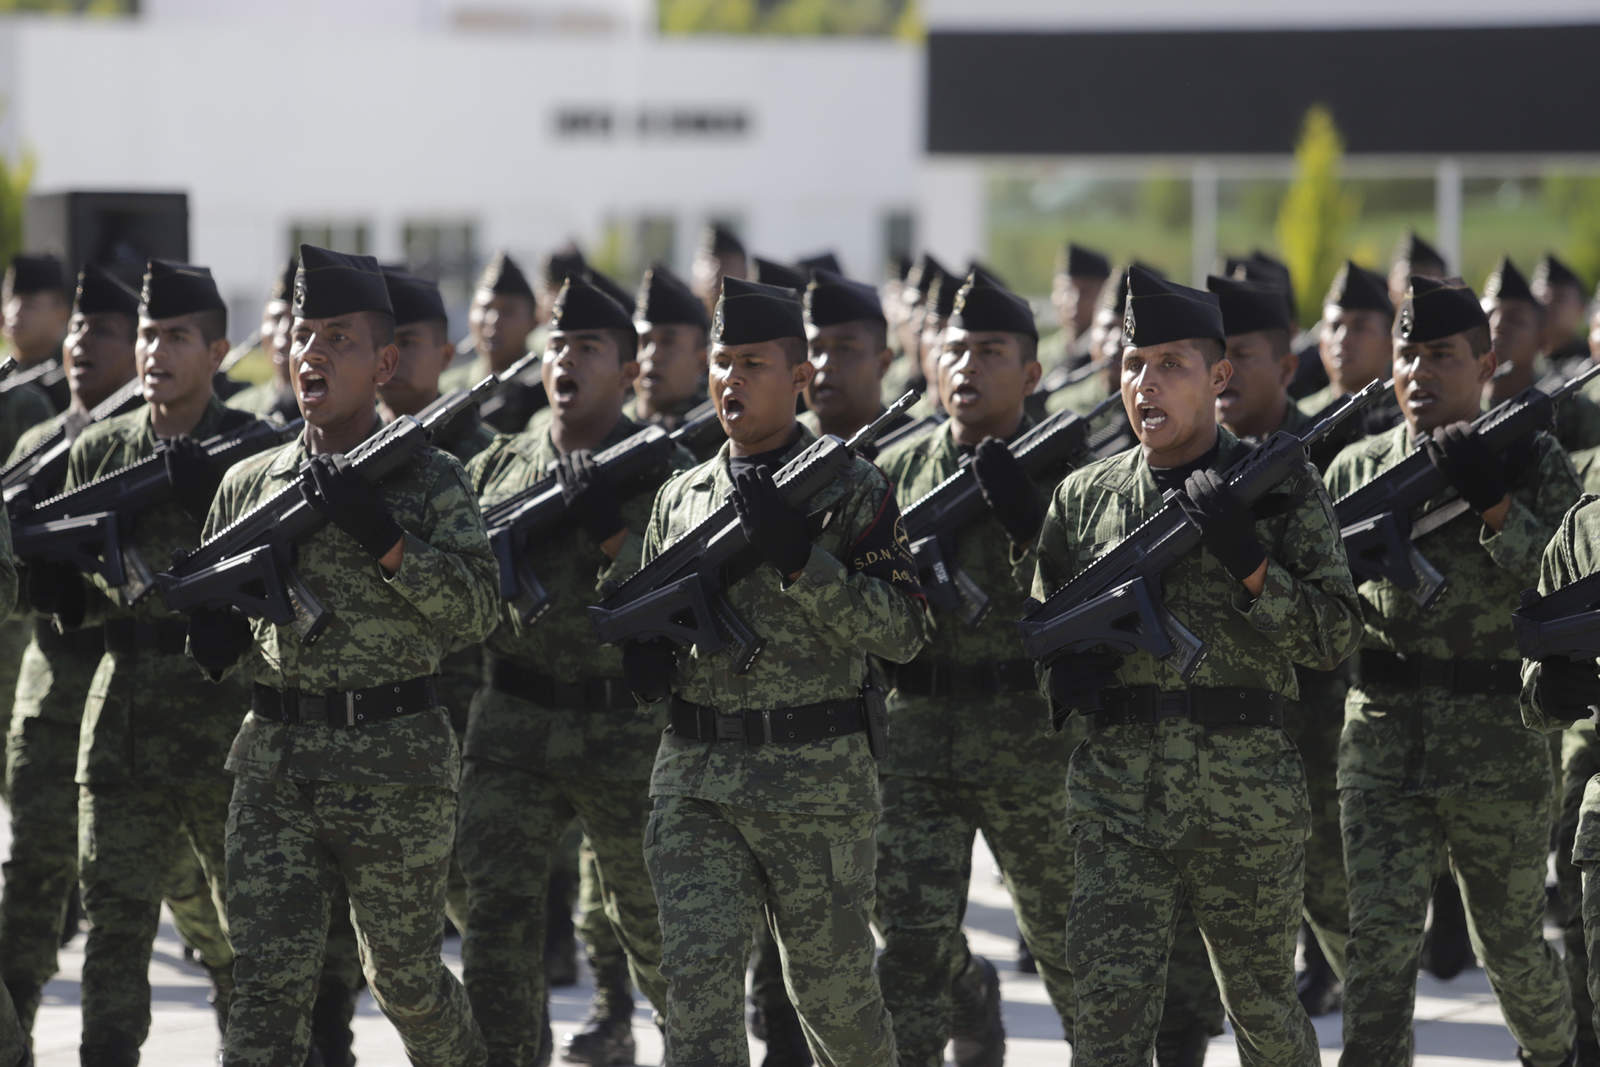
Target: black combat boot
(1587,1054)
(977,1034)
(786,1042)
(1570,1061)
(331,1036)
(25,997)
(1446,948)
(1183,1048)
(1321,992)
(607,1035)
(1025,964)
(560,939)
(110,1050)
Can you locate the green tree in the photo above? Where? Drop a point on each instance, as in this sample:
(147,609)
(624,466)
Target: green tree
(16,175)
(1317,212)
(707,16)
(1575,199)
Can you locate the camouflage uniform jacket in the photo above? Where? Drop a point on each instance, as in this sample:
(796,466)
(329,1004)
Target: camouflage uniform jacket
(385,628)
(1179,785)
(970,738)
(150,717)
(529,730)
(1426,739)
(22,407)
(1081,396)
(668,420)
(819,631)
(1573,553)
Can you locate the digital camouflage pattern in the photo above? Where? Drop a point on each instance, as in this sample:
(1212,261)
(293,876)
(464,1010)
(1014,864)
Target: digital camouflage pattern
(959,764)
(23,409)
(785,828)
(152,742)
(533,764)
(1220,815)
(373,805)
(1081,396)
(1580,761)
(1424,772)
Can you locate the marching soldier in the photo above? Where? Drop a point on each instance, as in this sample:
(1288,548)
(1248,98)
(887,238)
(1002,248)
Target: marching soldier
(324,797)
(37,304)
(274,398)
(1080,277)
(1565,300)
(847,342)
(1413,256)
(1189,789)
(1516,328)
(673,327)
(503,314)
(1354,338)
(721,255)
(1431,761)
(781,827)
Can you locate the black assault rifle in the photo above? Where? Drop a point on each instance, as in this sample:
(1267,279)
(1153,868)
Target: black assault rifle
(40,472)
(1564,623)
(521,520)
(248,564)
(1046,453)
(87,526)
(680,595)
(1376,521)
(1117,602)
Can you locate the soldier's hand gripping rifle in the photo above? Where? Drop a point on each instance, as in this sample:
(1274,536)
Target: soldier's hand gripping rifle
(1046,453)
(1377,523)
(87,527)
(680,595)
(1117,600)
(522,520)
(247,565)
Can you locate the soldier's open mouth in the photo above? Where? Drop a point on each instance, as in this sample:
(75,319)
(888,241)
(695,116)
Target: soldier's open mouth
(313,386)
(1151,417)
(732,406)
(566,388)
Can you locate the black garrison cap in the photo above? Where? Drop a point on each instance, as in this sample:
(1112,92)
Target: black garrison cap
(583,305)
(983,306)
(503,277)
(719,240)
(824,260)
(609,286)
(924,275)
(832,299)
(1249,306)
(1116,297)
(173,289)
(663,299)
(414,299)
(332,283)
(1078,261)
(1507,283)
(770,272)
(1160,311)
(35,272)
(1355,288)
(1413,249)
(283,284)
(1263,269)
(99,290)
(1552,273)
(1434,309)
(750,312)
(562,264)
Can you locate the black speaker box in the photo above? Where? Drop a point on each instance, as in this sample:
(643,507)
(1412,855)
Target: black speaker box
(117,230)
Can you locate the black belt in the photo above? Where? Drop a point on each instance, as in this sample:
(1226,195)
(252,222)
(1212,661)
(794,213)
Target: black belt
(509,676)
(939,677)
(355,707)
(1500,676)
(1212,708)
(128,636)
(87,640)
(808,722)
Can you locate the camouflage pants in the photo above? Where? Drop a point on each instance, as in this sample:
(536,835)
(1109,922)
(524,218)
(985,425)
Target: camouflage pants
(1125,906)
(12,1042)
(129,839)
(1316,734)
(291,844)
(924,867)
(607,960)
(715,868)
(15,634)
(1586,856)
(511,821)
(1580,761)
(1497,848)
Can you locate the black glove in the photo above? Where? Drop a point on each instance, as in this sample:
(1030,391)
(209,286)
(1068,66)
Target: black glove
(57,589)
(193,476)
(775,529)
(1008,490)
(344,498)
(1076,681)
(1224,521)
(217,638)
(647,667)
(1568,688)
(590,496)
(1462,457)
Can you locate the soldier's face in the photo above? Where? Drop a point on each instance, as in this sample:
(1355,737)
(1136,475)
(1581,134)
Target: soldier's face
(1355,347)
(984,377)
(336,366)
(1563,310)
(1594,333)
(98,354)
(1514,325)
(422,351)
(584,376)
(672,363)
(272,319)
(754,388)
(1105,334)
(1170,396)
(910,331)
(500,324)
(1074,297)
(35,323)
(1440,382)
(849,359)
(1254,400)
(173,360)
(707,272)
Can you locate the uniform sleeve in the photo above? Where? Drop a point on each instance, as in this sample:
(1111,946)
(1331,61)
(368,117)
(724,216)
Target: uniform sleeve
(1557,568)
(1534,516)
(8,570)
(1308,602)
(1051,565)
(448,572)
(872,602)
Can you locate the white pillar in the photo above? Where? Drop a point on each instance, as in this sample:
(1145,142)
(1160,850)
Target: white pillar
(1203,215)
(1447,210)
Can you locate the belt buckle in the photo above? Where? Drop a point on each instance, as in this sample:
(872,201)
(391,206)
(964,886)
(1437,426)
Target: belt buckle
(730,726)
(349,707)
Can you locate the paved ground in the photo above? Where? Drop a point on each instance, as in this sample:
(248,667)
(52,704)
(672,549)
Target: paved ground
(1458,1024)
